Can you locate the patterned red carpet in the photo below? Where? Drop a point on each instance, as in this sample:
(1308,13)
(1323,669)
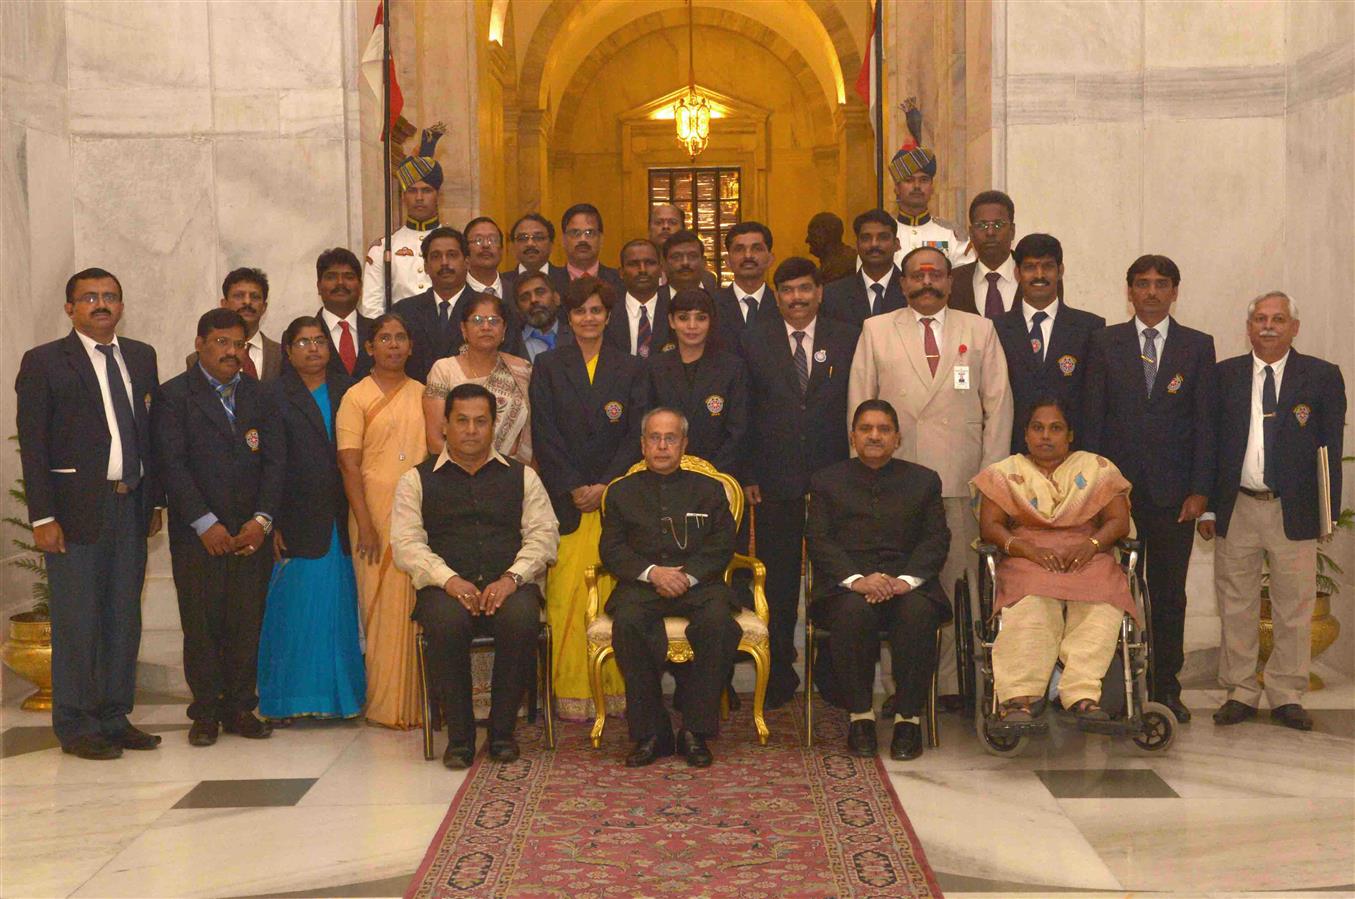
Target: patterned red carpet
(776,821)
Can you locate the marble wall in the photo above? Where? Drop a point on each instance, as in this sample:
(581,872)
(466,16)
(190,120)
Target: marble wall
(1218,134)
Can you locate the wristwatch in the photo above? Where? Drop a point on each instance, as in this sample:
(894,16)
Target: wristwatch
(264,522)
(517,578)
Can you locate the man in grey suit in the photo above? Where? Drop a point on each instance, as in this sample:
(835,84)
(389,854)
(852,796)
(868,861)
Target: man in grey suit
(245,291)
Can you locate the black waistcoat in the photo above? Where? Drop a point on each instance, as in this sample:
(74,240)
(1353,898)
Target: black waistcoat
(473,522)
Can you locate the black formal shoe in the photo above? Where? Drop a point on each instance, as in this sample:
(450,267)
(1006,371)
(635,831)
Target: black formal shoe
(1291,714)
(1234,712)
(907,742)
(135,738)
(458,756)
(93,747)
(649,751)
(776,699)
(1178,709)
(203,733)
(245,724)
(504,750)
(950,702)
(861,738)
(693,747)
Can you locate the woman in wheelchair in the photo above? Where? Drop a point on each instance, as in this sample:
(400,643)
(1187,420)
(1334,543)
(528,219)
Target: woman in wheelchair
(1056,515)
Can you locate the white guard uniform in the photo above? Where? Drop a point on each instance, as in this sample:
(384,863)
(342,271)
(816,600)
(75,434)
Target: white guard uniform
(930,231)
(407,275)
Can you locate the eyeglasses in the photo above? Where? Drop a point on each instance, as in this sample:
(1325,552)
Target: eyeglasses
(663,439)
(396,338)
(531,238)
(486,241)
(222,342)
(89,299)
(989,227)
(306,343)
(492,320)
(583,232)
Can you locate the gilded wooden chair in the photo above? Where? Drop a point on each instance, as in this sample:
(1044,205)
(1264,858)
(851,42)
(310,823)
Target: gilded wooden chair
(755,640)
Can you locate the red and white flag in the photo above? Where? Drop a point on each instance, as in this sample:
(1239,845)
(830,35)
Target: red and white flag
(866,77)
(371,69)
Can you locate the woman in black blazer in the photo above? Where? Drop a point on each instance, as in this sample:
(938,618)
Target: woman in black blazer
(587,401)
(310,659)
(705,383)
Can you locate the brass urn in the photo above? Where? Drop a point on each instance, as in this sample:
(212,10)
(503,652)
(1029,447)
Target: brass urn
(28,652)
(1325,631)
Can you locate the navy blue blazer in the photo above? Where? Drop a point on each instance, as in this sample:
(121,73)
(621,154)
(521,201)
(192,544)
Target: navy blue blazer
(1312,409)
(617,333)
(64,436)
(792,436)
(1063,372)
(715,402)
(729,321)
(585,433)
(846,300)
(431,343)
(1164,443)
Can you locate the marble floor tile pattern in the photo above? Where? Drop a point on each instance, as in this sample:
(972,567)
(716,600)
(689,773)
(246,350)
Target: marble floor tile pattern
(340,809)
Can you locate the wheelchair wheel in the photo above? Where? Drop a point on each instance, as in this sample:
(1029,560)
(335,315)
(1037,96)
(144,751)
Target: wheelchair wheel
(1159,728)
(995,744)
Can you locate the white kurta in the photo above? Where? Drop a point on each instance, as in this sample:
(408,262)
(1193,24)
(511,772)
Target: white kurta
(407,274)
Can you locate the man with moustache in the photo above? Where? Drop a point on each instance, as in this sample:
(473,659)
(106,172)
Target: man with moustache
(741,305)
(338,280)
(824,238)
(991,278)
(640,325)
(420,178)
(684,261)
(223,473)
(1149,406)
(582,228)
(1045,341)
(433,318)
(539,306)
(665,220)
(245,291)
(533,236)
(913,169)
(482,264)
(944,372)
(875,289)
(93,488)
(798,366)
(1276,407)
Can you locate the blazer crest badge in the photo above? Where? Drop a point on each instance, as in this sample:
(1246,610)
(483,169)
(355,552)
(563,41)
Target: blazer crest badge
(1067,365)
(252,439)
(1303,412)
(613,410)
(715,404)
(1174,385)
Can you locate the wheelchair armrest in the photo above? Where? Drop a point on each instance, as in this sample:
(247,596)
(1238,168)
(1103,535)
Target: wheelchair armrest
(987,549)
(1129,545)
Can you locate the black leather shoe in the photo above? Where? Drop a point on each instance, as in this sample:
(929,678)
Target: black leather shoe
(458,756)
(1178,709)
(504,750)
(1234,712)
(649,751)
(861,738)
(93,747)
(135,738)
(776,699)
(950,703)
(1293,715)
(907,742)
(247,725)
(693,747)
(203,733)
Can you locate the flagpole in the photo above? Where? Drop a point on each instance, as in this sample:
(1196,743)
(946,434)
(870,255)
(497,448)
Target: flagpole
(879,104)
(386,140)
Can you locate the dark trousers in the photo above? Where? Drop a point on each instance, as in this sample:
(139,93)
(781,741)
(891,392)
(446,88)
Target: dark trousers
(221,601)
(449,629)
(96,623)
(855,626)
(1166,553)
(641,648)
(780,544)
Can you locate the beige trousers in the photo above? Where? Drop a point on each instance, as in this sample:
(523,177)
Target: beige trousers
(1256,535)
(961,562)
(1035,633)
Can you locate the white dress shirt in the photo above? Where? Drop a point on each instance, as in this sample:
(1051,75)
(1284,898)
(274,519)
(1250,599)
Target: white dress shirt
(938,326)
(1158,343)
(1254,461)
(808,341)
(633,319)
(97,359)
(335,332)
(1046,326)
(756,297)
(496,287)
(1006,283)
(870,292)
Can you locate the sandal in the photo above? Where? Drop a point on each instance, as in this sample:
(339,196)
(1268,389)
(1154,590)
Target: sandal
(1016,711)
(1089,710)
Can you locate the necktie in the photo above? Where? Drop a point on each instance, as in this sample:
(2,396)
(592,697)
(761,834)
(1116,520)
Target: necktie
(247,363)
(347,349)
(546,337)
(1037,334)
(1149,357)
(1270,424)
(992,307)
(444,316)
(642,333)
(227,394)
(801,361)
(489,291)
(929,345)
(878,304)
(126,420)
(751,309)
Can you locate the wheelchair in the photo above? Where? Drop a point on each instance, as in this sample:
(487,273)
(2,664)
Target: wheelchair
(1149,725)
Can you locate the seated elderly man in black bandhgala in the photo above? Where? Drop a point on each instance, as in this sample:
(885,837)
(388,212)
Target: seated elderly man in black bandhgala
(877,538)
(667,536)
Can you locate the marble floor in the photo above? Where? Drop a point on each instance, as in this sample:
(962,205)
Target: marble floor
(342,809)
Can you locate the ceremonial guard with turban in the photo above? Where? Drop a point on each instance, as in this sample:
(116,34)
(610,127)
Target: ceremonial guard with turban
(420,181)
(913,169)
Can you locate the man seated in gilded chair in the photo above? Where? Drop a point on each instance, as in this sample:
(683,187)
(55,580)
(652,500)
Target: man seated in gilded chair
(667,537)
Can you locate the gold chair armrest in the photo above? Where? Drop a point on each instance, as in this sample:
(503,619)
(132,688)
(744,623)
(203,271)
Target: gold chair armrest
(740,562)
(591,575)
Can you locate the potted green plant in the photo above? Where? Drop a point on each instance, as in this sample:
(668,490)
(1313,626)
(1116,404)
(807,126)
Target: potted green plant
(28,650)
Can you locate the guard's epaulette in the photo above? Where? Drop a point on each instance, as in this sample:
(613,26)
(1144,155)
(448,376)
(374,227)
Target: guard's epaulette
(948,226)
